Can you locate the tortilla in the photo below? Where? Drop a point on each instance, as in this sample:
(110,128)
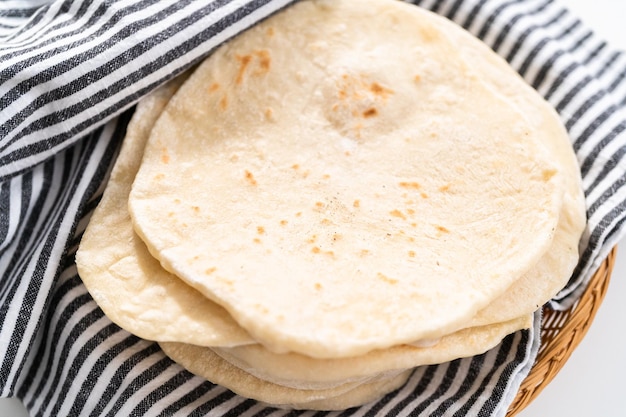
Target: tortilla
(204,362)
(524,296)
(300,371)
(126,282)
(141,297)
(554,269)
(247,190)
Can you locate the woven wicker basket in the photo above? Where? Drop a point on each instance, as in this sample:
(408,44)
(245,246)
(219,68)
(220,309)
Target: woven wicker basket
(561,333)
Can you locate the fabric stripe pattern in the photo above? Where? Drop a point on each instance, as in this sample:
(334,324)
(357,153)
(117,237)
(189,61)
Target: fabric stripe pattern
(70,74)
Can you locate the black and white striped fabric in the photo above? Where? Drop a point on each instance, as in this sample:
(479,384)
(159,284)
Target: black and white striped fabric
(70,73)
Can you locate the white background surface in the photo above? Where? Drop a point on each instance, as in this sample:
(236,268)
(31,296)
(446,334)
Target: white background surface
(592,382)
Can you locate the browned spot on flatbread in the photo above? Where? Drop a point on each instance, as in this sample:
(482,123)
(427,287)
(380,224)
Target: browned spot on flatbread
(224,102)
(250,178)
(386,279)
(397,213)
(379,90)
(165,156)
(244,61)
(371,112)
(410,184)
(265,61)
(547,174)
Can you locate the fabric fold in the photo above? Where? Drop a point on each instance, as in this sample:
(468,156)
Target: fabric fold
(74,68)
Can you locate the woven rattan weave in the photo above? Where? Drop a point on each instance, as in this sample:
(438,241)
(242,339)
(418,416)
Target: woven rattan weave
(561,333)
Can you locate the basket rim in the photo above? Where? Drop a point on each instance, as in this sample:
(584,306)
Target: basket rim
(561,333)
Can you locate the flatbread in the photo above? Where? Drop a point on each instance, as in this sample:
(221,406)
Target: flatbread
(247,190)
(124,279)
(300,371)
(204,362)
(553,270)
(120,286)
(128,284)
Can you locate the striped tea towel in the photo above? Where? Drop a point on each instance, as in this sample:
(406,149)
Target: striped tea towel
(70,73)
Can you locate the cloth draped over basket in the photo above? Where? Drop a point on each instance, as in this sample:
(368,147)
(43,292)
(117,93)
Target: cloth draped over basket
(70,74)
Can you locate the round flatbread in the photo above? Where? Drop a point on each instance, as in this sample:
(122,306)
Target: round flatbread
(124,279)
(551,273)
(300,371)
(341,187)
(204,362)
(129,285)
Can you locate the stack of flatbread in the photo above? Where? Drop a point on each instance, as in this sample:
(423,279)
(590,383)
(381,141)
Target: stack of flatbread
(342,193)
